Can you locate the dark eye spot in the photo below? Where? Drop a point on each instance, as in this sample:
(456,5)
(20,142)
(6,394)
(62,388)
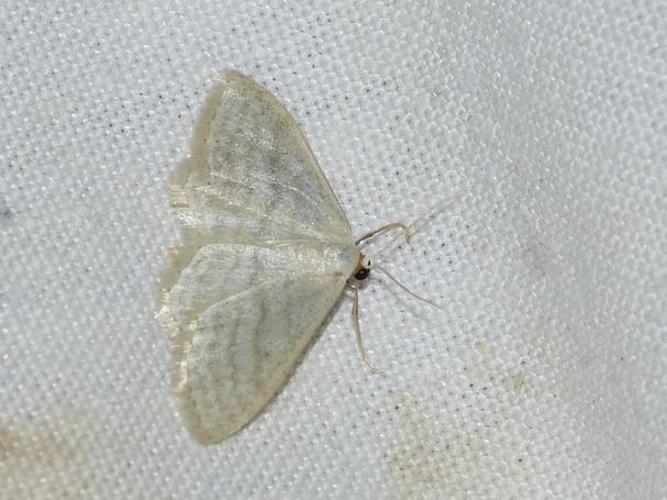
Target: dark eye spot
(362,273)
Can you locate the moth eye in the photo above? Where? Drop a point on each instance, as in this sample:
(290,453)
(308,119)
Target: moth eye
(362,274)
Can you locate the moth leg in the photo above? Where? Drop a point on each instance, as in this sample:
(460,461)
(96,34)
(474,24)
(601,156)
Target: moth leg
(368,237)
(357,331)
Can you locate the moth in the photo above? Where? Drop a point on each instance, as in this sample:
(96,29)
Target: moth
(266,253)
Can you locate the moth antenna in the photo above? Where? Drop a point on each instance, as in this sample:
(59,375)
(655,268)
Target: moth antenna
(411,228)
(357,332)
(405,288)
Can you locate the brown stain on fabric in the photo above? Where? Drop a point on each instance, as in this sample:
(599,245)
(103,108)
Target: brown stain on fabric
(38,460)
(421,453)
(37,448)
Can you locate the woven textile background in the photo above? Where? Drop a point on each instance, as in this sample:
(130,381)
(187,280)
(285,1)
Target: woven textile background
(542,376)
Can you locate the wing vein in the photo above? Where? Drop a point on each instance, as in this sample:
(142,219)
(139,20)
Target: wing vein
(239,209)
(266,182)
(258,285)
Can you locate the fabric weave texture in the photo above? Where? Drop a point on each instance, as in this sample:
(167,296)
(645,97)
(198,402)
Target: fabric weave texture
(542,376)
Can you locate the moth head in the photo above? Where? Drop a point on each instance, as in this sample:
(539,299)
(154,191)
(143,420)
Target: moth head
(363,270)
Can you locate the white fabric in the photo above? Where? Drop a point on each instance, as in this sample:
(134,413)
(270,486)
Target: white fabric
(543,377)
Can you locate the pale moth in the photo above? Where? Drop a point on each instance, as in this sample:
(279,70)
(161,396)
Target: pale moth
(266,253)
